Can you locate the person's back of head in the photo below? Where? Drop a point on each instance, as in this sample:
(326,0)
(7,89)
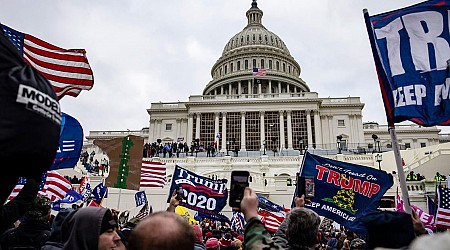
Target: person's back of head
(303,228)
(389,229)
(39,211)
(163,231)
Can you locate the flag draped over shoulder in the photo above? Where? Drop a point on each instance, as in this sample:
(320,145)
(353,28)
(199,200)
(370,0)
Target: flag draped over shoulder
(345,192)
(153,174)
(202,194)
(443,211)
(68,70)
(70,143)
(411,53)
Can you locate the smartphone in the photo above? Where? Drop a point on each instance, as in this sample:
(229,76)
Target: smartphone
(180,193)
(306,186)
(239,181)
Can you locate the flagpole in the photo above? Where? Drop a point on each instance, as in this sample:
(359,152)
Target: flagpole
(401,173)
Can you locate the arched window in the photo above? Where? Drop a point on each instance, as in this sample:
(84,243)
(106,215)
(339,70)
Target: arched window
(265,37)
(284,67)
(248,38)
(231,68)
(254,63)
(246,64)
(226,69)
(254,37)
(238,66)
(289,69)
(278,65)
(262,64)
(270,64)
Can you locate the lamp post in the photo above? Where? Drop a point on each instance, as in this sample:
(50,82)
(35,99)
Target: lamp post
(300,142)
(228,146)
(264,145)
(375,138)
(379,158)
(378,142)
(338,141)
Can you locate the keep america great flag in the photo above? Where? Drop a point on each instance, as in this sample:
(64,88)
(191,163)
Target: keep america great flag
(67,70)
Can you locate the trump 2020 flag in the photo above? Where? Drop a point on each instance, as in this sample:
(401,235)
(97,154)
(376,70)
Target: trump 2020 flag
(70,143)
(202,194)
(344,192)
(100,191)
(412,55)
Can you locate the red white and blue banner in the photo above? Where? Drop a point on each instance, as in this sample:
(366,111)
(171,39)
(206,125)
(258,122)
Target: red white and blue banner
(202,194)
(100,192)
(70,143)
(344,192)
(140,198)
(411,52)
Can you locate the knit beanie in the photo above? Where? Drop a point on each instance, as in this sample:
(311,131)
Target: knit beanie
(212,244)
(108,222)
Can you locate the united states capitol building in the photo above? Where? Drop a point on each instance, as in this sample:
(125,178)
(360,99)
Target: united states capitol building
(264,123)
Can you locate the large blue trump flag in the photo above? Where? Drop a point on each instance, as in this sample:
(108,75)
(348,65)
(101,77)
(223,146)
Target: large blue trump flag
(70,143)
(345,192)
(412,56)
(202,194)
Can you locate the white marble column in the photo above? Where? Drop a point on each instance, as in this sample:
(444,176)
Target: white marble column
(229,89)
(331,128)
(239,88)
(282,146)
(190,128)
(270,87)
(259,89)
(243,131)
(221,90)
(250,90)
(318,129)
(178,135)
(309,128)
(224,131)
(262,126)
(289,127)
(158,125)
(152,131)
(197,126)
(279,87)
(216,128)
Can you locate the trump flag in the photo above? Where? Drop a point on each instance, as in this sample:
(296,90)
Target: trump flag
(344,192)
(201,194)
(70,143)
(411,51)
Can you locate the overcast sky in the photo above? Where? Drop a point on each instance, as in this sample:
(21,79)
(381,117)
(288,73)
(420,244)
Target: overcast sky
(145,51)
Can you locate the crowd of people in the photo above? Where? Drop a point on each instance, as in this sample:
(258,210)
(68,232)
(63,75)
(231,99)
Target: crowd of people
(27,223)
(177,149)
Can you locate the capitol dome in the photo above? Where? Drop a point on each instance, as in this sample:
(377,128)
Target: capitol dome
(255,47)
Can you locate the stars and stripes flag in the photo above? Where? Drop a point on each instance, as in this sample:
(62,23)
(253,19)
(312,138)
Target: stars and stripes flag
(237,221)
(259,72)
(17,188)
(68,70)
(144,212)
(54,185)
(443,211)
(153,174)
(271,220)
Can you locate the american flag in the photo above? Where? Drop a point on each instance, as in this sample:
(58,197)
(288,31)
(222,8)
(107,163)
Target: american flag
(17,188)
(259,72)
(153,174)
(271,220)
(237,221)
(144,212)
(68,70)
(443,211)
(54,185)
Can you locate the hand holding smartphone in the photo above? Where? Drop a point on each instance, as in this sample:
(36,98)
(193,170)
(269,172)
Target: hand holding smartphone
(239,181)
(306,186)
